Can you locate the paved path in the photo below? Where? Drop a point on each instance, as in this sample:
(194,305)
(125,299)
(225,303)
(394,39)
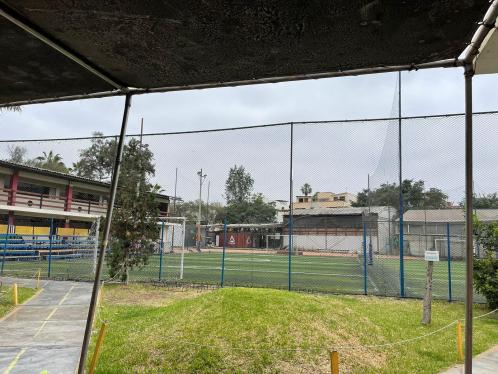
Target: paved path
(45,333)
(485,363)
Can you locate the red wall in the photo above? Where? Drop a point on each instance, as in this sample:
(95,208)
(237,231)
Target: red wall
(238,240)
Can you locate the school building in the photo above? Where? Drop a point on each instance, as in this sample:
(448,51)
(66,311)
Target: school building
(31,198)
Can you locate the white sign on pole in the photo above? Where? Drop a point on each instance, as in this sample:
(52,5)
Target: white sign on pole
(431,256)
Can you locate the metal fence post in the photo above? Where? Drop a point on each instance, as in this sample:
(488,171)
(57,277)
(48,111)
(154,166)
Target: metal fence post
(291,204)
(161,250)
(223,255)
(365,291)
(5,249)
(401,202)
(50,247)
(448,244)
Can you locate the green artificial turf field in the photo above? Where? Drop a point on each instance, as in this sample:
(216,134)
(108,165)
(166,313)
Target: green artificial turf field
(334,274)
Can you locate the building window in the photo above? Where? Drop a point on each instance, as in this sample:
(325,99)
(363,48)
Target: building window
(86,196)
(33,188)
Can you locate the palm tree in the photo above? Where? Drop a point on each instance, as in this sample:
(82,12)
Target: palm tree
(51,161)
(306,189)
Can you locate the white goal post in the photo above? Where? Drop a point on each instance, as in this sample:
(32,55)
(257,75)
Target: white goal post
(457,247)
(169,239)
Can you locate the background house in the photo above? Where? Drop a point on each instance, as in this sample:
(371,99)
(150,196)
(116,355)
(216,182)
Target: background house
(325,200)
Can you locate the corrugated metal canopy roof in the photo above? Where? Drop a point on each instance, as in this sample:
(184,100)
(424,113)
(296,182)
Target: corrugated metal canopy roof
(178,43)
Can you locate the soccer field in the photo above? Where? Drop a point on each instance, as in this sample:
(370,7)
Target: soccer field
(334,274)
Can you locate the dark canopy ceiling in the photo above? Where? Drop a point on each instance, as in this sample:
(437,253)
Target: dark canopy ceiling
(150,44)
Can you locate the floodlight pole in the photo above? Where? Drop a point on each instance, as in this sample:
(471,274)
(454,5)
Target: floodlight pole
(469,238)
(105,241)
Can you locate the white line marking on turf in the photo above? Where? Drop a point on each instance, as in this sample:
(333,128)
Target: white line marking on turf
(268,271)
(248,259)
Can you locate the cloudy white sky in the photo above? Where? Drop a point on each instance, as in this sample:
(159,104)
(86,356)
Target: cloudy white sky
(331,158)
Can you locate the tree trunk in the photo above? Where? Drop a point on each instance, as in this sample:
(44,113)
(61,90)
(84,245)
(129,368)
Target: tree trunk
(426,319)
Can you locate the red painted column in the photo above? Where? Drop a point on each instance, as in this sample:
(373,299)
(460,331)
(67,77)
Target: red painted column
(14,181)
(69,198)
(68,202)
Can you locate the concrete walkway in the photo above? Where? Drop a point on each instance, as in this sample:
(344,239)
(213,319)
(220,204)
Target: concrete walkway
(45,333)
(485,363)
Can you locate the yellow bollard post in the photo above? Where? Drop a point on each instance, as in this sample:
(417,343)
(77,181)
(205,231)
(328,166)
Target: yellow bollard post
(459,340)
(14,294)
(38,279)
(98,346)
(334,362)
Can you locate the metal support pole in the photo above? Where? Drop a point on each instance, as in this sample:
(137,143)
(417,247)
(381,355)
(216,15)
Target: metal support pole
(174,213)
(401,200)
(448,244)
(105,241)
(365,283)
(96,245)
(5,249)
(370,248)
(161,250)
(291,204)
(469,250)
(223,255)
(50,246)
(199,213)
(182,258)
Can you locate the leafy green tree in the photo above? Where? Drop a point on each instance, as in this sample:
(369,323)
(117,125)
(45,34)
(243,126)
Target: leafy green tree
(51,161)
(215,213)
(486,201)
(435,199)
(306,189)
(134,228)
(414,193)
(242,205)
(17,154)
(96,161)
(486,267)
(254,210)
(239,185)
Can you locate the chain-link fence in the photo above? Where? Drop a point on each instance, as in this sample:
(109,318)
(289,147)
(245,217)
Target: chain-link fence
(318,210)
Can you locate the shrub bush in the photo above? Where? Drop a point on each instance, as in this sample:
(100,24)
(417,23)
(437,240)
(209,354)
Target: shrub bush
(486,266)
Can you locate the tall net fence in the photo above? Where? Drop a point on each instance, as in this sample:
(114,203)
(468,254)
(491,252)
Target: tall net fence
(340,234)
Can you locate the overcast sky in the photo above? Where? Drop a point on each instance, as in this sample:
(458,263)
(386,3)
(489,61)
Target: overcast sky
(331,158)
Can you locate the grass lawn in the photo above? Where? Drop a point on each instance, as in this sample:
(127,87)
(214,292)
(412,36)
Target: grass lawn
(240,330)
(316,273)
(6,301)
